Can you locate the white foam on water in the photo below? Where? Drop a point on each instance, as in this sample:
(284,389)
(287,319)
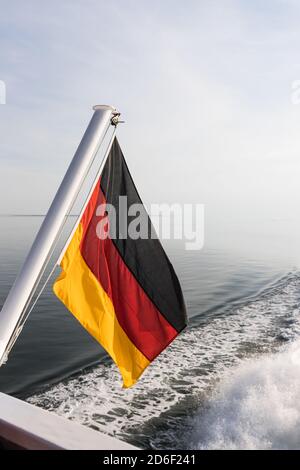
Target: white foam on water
(189,368)
(257,406)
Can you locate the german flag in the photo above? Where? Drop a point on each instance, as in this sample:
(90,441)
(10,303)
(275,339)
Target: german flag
(124,291)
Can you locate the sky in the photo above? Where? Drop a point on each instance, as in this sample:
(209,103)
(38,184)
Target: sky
(205,88)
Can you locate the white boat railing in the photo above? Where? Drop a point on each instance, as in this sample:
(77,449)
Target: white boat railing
(25,426)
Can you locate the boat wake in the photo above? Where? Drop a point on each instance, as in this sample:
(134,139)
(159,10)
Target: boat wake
(232,382)
(257,406)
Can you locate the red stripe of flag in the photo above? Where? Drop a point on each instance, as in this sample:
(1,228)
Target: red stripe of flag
(144,325)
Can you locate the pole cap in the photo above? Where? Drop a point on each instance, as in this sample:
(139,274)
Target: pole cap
(104,107)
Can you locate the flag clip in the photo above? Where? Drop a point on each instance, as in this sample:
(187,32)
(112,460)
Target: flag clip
(115,119)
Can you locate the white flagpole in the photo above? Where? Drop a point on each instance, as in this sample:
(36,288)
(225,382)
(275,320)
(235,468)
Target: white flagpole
(38,256)
(96,180)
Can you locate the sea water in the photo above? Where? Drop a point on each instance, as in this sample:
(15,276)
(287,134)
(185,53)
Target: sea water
(231,380)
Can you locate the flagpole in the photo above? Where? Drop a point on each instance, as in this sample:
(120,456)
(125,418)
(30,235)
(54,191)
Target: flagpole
(96,180)
(30,274)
